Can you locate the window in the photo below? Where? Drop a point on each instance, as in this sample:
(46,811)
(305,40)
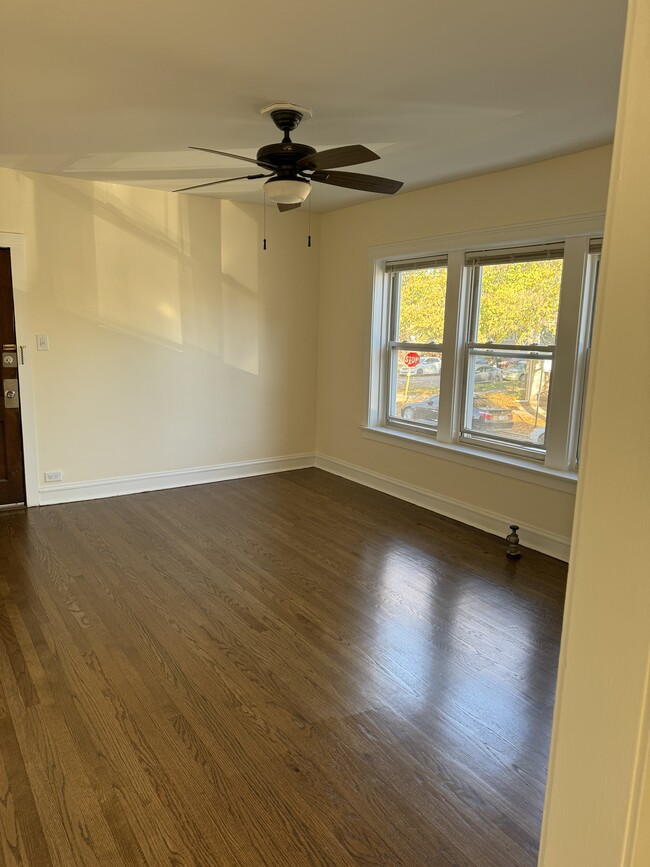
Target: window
(484,349)
(416,341)
(509,353)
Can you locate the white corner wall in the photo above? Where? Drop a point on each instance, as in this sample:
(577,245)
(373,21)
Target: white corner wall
(597,810)
(550,190)
(179,350)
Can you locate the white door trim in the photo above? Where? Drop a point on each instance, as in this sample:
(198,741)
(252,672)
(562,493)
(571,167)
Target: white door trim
(16,245)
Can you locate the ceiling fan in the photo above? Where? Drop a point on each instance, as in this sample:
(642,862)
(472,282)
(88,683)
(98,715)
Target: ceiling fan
(292,166)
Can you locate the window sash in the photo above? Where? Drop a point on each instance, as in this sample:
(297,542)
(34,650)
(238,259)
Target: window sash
(520,353)
(415,347)
(474,263)
(394,345)
(396,300)
(502,444)
(498,350)
(389,416)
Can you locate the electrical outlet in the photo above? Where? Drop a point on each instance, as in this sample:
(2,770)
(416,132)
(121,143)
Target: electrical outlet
(54,476)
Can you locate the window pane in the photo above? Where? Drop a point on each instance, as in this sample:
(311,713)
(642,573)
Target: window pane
(519,302)
(416,378)
(509,397)
(422,305)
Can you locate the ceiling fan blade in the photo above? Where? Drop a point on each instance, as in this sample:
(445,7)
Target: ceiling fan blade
(282,207)
(355,181)
(234,156)
(224,181)
(350,155)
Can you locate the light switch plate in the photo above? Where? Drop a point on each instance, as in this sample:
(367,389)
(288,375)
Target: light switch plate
(42,342)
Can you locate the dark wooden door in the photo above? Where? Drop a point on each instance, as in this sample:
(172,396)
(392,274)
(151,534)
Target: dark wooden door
(12,473)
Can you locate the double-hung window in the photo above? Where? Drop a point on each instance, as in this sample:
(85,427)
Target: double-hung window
(417,318)
(515,297)
(484,349)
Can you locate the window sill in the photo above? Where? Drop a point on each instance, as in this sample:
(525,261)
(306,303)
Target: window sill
(531,472)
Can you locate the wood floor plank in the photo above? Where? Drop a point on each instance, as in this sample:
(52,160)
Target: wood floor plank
(337,857)
(288,670)
(22,840)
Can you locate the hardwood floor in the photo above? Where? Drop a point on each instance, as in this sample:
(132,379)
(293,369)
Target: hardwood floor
(285,670)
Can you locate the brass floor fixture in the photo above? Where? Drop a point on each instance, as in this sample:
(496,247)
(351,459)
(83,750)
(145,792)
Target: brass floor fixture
(286,670)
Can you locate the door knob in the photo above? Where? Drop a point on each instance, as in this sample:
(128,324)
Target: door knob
(10,393)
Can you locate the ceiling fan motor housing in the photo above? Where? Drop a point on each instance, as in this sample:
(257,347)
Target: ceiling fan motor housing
(283,156)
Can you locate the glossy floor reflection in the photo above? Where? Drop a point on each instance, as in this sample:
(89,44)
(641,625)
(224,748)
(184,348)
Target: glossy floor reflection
(286,670)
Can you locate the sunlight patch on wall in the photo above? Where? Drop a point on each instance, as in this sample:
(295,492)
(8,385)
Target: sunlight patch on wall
(136,249)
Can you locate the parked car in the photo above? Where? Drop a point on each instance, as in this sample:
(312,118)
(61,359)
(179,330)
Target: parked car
(422,410)
(486,415)
(424,366)
(517,371)
(486,373)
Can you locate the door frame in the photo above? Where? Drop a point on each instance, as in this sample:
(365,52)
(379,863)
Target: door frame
(16,245)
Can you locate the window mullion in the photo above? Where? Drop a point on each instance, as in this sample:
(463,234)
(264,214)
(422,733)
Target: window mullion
(378,385)
(454,343)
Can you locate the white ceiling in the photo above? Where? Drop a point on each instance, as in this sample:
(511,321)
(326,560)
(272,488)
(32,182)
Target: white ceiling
(441,89)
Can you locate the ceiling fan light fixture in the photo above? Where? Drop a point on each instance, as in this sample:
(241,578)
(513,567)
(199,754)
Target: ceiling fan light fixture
(287,192)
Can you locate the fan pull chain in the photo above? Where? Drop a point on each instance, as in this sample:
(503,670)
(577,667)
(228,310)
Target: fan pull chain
(309,222)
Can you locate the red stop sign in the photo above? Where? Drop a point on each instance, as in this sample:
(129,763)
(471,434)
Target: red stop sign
(411,359)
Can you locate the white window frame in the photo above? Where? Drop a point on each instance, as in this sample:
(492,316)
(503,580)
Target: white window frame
(394,345)
(556,466)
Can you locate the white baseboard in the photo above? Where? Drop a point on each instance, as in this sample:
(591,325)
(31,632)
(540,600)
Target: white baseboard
(117,487)
(531,537)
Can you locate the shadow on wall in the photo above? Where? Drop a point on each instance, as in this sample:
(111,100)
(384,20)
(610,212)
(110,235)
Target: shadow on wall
(173,336)
(177,271)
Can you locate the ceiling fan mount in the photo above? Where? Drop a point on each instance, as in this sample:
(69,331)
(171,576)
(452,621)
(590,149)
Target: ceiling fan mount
(284,155)
(297,165)
(285,117)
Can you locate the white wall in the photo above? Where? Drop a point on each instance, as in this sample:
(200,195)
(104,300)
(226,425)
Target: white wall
(175,342)
(598,797)
(548,190)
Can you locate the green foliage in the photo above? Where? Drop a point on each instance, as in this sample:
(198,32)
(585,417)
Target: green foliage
(519,303)
(422,308)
